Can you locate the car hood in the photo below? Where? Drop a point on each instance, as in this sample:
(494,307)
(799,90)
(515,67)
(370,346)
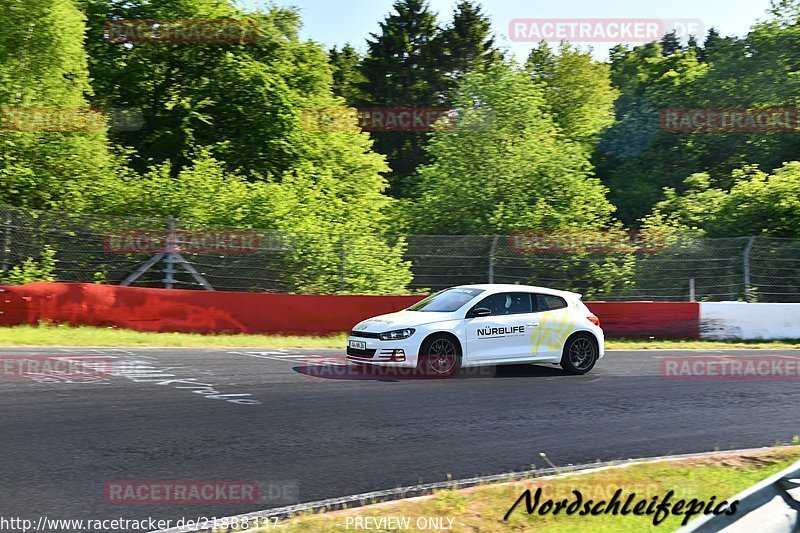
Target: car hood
(401,319)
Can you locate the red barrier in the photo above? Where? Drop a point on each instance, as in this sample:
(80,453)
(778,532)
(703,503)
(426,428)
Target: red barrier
(231,312)
(660,320)
(190,311)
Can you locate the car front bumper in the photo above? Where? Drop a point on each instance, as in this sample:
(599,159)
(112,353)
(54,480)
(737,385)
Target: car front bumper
(402,353)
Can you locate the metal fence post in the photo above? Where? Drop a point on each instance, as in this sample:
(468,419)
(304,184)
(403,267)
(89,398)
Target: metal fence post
(169,270)
(692,295)
(7,245)
(746,269)
(492,249)
(341,263)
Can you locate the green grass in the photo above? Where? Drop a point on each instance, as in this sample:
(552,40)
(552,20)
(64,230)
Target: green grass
(482,508)
(62,335)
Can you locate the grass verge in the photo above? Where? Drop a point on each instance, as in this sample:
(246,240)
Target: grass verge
(63,335)
(482,508)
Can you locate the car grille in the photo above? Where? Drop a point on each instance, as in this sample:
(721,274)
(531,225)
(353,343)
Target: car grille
(364,354)
(365,334)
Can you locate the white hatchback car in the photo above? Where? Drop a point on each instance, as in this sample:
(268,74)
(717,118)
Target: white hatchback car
(475,325)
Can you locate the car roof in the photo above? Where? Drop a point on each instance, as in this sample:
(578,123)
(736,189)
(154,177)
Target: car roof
(513,287)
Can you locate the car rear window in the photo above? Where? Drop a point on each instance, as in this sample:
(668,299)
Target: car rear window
(549,302)
(507,303)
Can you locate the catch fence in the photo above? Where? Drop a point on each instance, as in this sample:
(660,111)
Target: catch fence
(176,253)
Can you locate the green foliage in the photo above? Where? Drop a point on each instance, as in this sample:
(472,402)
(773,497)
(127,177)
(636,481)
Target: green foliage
(634,157)
(564,142)
(31,270)
(226,142)
(504,165)
(314,205)
(400,62)
(758,203)
(43,67)
(578,91)
(759,70)
(414,63)
(348,81)
(240,100)
(400,70)
(42,61)
(465,44)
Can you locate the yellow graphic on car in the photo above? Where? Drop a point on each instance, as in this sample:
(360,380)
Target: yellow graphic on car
(554,328)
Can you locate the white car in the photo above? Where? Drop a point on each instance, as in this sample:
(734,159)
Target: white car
(475,325)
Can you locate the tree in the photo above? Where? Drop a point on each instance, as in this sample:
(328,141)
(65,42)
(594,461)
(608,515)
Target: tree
(319,211)
(787,12)
(694,45)
(713,38)
(504,165)
(757,204)
(401,71)
(43,69)
(400,66)
(230,138)
(578,91)
(670,43)
(348,81)
(466,44)
(634,157)
(242,100)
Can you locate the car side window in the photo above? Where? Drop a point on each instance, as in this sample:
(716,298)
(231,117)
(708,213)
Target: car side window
(548,302)
(507,303)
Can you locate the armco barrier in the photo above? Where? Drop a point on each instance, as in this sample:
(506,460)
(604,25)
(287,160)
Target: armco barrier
(659,320)
(739,320)
(190,311)
(230,312)
(772,505)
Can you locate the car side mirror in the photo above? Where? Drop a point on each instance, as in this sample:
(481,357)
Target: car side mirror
(478,312)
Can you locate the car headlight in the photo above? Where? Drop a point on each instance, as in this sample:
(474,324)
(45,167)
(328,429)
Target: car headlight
(397,334)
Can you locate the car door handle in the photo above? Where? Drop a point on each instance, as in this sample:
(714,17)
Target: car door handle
(534,324)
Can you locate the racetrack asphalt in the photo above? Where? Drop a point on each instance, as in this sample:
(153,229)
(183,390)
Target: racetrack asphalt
(310,430)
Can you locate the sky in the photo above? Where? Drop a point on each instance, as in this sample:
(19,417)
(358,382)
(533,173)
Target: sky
(335,22)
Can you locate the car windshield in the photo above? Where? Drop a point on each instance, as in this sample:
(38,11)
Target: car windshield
(446,301)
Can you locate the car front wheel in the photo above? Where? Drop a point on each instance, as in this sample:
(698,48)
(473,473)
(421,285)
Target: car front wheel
(440,356)
(580,354)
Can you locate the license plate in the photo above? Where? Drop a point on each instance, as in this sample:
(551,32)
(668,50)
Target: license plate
(358,345)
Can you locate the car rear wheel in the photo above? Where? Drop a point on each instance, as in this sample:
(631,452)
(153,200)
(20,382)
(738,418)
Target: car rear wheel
(440,356)
(580,354)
